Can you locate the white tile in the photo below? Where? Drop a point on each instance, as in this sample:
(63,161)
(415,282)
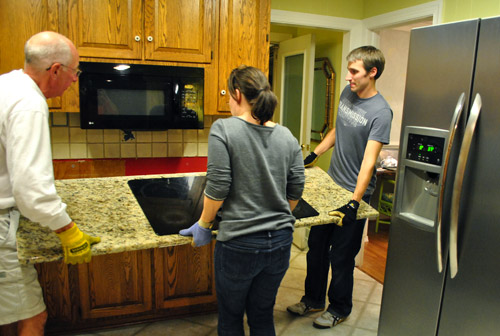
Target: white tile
(190,149)
(300,261)
(369,317)
(111,136)
(175,149)
(144,150)
(74,119)
(60,151)
(203,135)
(111,150)
(363,332)
(95,151)
(294,278)
(174,135)
(95,136)
(190,135)
(159,136)
(376,295)
(159,150)
(362,289)
(202,149)
(77,135)
(143,136)
(59,135)
(128,150)
(78,150)
(59,119)
(174,327)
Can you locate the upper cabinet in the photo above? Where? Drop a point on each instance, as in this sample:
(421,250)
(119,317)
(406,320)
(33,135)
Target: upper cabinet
(173,30)
(19,21)
(243,39)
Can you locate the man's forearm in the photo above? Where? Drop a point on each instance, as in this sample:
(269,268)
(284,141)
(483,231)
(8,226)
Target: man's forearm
(326,144)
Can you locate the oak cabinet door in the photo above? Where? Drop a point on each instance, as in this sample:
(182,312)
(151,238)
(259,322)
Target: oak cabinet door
(108,29)
(243,39)
(116,285)
(184,276)
(179,30)
(19,21)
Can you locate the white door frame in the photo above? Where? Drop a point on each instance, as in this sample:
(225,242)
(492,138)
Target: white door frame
(359,32)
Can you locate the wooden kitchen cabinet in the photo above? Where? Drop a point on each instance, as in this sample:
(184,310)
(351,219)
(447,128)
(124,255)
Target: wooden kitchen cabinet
(19,21)
(184,275)
(173,30)
(243,39)
(128,287)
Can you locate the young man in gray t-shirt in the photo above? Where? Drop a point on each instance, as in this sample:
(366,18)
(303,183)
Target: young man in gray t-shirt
(362,128)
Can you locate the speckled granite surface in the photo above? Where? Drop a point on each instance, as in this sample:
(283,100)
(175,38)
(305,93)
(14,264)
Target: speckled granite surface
(106,207)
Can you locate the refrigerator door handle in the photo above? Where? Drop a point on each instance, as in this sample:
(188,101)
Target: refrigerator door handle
(459,178)
(453,128)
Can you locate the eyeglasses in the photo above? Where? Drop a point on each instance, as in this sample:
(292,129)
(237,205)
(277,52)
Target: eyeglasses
(77,71)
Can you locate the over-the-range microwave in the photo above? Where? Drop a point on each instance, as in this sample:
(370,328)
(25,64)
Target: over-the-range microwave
(140,97)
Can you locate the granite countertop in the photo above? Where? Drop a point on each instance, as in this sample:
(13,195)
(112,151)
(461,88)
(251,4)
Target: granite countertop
(106,207)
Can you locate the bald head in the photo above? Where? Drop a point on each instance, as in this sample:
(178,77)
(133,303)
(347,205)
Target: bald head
(46,48)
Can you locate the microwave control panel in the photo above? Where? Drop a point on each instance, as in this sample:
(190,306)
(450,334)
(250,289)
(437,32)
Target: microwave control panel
(191,101)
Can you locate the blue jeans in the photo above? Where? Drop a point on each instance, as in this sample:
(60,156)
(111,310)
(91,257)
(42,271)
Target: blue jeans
(338,246)
(248,273)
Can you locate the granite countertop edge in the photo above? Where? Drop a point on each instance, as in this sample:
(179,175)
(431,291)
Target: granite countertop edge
(106,207)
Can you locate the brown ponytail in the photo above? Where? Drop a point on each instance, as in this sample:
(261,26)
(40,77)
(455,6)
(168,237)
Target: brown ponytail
(254,85)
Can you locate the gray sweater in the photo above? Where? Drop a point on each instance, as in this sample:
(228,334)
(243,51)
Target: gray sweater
(255,170)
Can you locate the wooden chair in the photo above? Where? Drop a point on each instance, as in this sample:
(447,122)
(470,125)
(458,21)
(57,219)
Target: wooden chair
(385,200)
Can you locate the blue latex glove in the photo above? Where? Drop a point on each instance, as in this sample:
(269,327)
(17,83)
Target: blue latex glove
(201,235)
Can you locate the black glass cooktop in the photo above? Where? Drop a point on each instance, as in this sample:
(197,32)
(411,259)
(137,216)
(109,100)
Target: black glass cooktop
(175,203)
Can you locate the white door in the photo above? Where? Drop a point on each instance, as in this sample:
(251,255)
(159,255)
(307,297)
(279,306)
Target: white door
(294,79)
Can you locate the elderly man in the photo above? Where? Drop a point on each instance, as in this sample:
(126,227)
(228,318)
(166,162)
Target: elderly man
(26,175)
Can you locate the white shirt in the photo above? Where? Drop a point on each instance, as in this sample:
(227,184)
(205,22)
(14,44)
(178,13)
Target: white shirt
(26,172)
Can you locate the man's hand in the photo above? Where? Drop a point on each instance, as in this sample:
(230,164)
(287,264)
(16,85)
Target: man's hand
(310,160)
(76,245)
(201,236)
(347,213)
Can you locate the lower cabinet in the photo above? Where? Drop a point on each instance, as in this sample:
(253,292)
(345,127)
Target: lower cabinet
(128,287)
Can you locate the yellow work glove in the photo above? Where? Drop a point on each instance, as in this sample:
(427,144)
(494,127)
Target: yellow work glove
(310,160)
(76,245)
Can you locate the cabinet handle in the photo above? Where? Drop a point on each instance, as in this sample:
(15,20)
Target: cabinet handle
(150,38)
(223,92)
(137,38)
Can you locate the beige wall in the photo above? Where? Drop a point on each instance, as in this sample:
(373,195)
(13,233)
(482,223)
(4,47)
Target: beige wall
(394,44)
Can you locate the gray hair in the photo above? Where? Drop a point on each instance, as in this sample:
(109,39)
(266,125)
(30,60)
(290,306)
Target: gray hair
(41,51)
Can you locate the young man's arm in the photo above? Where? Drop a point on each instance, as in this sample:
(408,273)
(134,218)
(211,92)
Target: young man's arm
(326,143)
(372,152)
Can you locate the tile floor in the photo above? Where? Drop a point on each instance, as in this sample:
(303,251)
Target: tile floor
(363,320)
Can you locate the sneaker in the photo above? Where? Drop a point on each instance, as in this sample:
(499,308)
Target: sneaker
(327,320)
(302,309)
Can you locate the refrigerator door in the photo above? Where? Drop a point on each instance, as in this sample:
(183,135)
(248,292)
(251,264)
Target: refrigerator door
(471,302)
(440,69)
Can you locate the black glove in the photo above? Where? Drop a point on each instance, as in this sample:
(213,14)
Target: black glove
(310,160)
(347,213)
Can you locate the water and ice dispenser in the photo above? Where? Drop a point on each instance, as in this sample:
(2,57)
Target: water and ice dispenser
(420,175)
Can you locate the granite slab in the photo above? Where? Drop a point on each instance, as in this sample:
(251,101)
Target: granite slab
(106,207)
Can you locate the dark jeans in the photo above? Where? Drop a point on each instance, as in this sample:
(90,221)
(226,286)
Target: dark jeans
(248,273)
(338,246)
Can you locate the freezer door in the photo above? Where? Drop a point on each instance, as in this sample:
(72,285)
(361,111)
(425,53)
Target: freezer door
(440,70)
(471,302)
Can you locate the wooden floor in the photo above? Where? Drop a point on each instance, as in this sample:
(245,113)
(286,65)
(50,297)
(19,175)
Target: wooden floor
(375,256)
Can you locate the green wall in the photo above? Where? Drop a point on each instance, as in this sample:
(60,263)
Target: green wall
(377,7)
(457,10)
(352,9)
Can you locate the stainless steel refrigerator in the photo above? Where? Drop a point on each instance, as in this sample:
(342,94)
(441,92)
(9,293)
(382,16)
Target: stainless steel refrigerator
(443,267)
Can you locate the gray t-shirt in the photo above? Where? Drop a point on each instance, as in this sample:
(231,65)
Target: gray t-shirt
(255,170)
(358,120)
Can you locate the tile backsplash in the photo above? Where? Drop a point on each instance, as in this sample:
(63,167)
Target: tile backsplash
(69,141)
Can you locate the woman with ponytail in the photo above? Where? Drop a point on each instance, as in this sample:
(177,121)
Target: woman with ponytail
(255,175)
